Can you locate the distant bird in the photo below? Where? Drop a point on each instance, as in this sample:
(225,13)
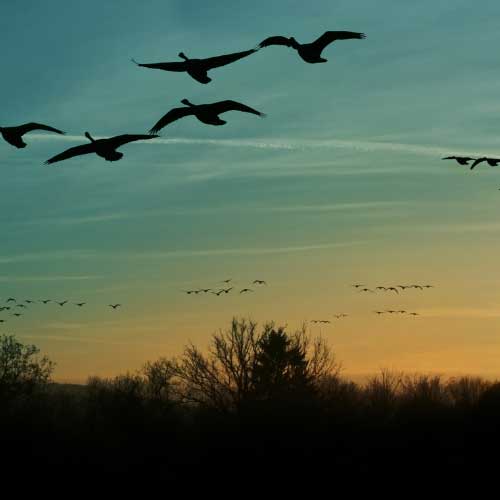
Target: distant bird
(391,312)
(401,312)
(366,290)
(379,312)
(380,288)
(29,301)
(428,286)
(246,290)
(17,315)
(115,306)
(46,301)
(311,52)
(259,282)
(205,290)
(10,299)
(189,292)
(358,285)
(417,286)
(198,68)
(342,315)
(218,293)
(414,314)
(393,289)
(227,290)
(403,287)
(227,281)
(462,160)
(21,306)
(492,162)
(13,135)
(206,113)
(105,148)
(80,304)
(62,303)
(2,321)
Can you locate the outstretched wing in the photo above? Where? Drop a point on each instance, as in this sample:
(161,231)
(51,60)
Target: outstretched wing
(275,40)
(120,140)
(477,162)
(171,116)
(329,37)
(83,149)
(216,62)
(166,66)
(28,127)
(224,106)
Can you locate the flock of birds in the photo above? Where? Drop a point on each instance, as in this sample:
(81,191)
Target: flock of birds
(24,305)
(206,113)
(464,160)
(220,291)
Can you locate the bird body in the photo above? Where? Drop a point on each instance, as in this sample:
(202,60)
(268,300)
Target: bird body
(205,113)
(14,135)
(198,68)
(492,162)
(311,52)
(105,148)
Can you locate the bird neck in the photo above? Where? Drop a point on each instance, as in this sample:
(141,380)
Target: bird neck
(188,103)
(89,137)
(183,56)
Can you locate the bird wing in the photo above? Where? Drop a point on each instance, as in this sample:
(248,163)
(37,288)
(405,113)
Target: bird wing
(28,127)
(120,140)
(477,162)
(217,61)
(224,106)
(171,116)
(166,66)
(83,149)
(329,37)
(275,40)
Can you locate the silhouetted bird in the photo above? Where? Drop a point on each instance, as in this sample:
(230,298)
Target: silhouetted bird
(205,290)
(206,113)
(379,312)
(401,312)
(366,290)
(403,287)
(492,162)
(380,288)
(189,292)
(13,135)
(259,282)
(311,52)
(227,281)
(21,306)
(392,289)
(198,68)
(391,312)
(428,286)
(17,315)
(62,303)
(45,301)
(10,299)
(358,286)
(246,290)
(80,304)
(462,160)
(218,293)
(2,321)
(105,148)
(414,314)
(227,290)
(417,286)
(29,301)
(115,306)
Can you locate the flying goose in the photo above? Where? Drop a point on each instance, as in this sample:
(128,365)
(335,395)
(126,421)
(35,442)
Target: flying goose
(198,68)
(114,306)
(206,113)
(461,160)
(311,52)
(259,282)
(13,135)
(105,148)
(80,304)
(62,303)
(246,290)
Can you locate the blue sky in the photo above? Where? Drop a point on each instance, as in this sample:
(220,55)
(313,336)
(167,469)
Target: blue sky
(341,182)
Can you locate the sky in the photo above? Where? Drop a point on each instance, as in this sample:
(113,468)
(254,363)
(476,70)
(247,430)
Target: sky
(341,183)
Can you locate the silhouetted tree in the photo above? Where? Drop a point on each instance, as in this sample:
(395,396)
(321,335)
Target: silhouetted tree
(22,371)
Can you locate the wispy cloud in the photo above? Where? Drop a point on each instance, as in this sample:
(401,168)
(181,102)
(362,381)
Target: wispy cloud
(287,144)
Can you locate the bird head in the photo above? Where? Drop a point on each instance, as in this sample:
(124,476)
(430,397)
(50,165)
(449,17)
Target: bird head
(89,137)
(183,56)
(187,102)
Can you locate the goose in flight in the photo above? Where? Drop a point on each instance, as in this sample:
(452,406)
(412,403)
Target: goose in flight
(46,301)
(366,290)
(17,315)
(227,290)
(358,285)
(105,148)
(311,52)
(259,282)
(381,288)
(428,286)
(80,304)
(218,293)
(461,160)
(227,281)
(403,287)
(29,301)
(393,289)
(492,162)
(414,314)
(420,287)
(206,290)
(198,68)
(378,313)
(62,303)
(13,135)
(11,299)
(206,113)
(246,290)
(114,306)
(21,306)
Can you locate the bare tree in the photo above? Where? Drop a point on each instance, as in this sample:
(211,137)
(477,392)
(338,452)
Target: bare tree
(21,369)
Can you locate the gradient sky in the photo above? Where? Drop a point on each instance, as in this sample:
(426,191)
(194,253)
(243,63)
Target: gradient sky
(341,183)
